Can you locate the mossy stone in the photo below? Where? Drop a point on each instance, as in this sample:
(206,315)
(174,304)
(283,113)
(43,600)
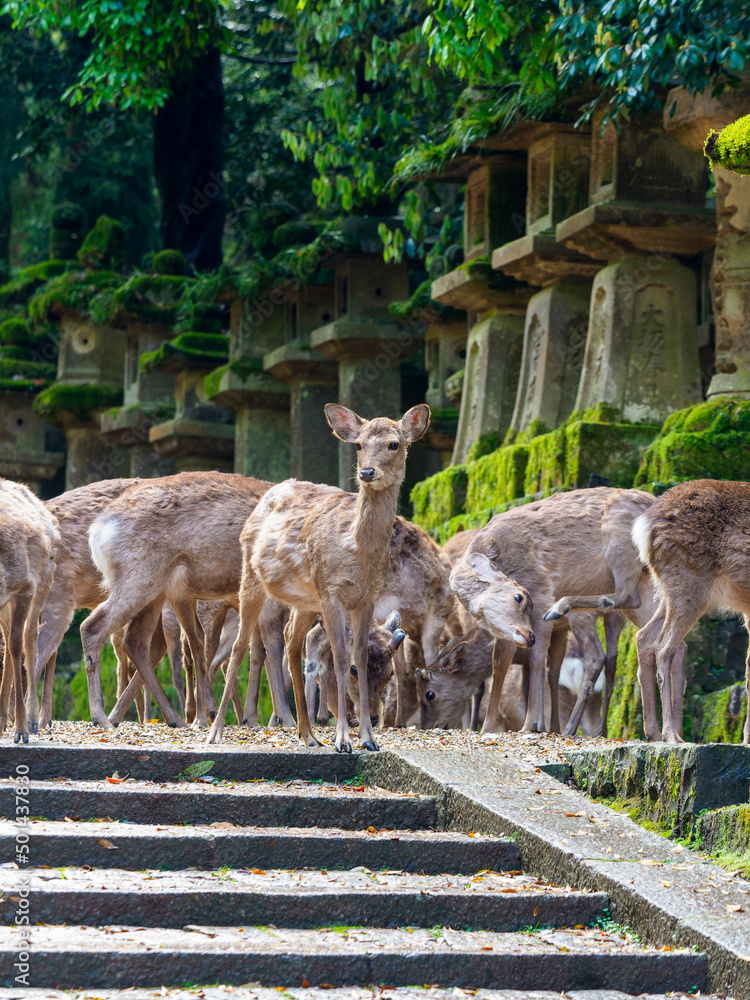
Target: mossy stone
(15,331)
(720,716)
(296,233)
(102,246)
(729,147)
(22,286)
(496,478)
(440,497)
(169,262)
(707,441)
(187,350)
(81,402)
(74,290)
(153,298)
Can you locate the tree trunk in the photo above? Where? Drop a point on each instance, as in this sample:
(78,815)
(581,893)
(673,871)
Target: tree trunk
(188,158)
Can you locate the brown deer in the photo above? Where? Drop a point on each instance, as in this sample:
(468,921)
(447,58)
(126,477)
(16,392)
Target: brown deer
(571,543)
(30,545)
(170,540)
(383,641)
(320,549)
(696,541)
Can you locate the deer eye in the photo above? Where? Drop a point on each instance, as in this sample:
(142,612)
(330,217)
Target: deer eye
(393,446)
(358,446)
(519,598)
(430,695)
(353,670)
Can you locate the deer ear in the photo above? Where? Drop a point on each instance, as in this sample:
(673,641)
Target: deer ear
(482,568)
(415,422)
(346,425)
(392,622)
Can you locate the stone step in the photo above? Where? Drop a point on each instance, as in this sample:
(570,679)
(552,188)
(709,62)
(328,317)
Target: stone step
(66,957)
(250,804)
(493,901)
(334,993)
(159,763)
(138,847)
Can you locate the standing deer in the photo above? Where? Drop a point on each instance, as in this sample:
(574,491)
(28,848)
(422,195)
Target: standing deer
(318,548)
(696,541)
(170,540)
(30,544)
(576,544)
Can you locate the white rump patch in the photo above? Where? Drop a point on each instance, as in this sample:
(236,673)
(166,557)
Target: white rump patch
(641,535)
(573,672)
(101,537)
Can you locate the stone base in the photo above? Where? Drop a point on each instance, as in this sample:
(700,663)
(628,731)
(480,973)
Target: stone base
(30,466)
(735,385)
(608,230)
(365,339)
(475,287)
(262,447)
(493,361)
(540,260)
(92,458)
(244,383)
(194,439)
(147,463)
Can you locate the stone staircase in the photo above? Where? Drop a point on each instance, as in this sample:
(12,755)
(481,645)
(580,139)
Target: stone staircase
(284,870)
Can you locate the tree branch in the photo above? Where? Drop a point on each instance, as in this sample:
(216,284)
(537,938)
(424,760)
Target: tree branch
(283,61)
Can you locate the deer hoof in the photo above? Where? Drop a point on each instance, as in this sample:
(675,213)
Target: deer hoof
(34,728)
(371,745)
(343,747)
(552,616)
(17,737)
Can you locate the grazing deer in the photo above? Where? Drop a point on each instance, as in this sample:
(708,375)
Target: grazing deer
(30,545)
(320,549)
(571,543)
(170,540)
(418,585)
(696,542)
(382,643)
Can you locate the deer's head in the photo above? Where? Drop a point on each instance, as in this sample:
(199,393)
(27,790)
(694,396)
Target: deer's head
(443,689)
(500,605)
(383,641)
(381,443)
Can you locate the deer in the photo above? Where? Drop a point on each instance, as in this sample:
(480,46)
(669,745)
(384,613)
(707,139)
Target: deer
(558,547)
(321,549)
(169,540)
(382,643)
(30,547)
(694,539)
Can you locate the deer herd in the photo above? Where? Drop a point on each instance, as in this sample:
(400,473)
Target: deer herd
(361,611)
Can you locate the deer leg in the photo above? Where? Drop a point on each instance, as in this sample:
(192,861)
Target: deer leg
(646,639)
(252,597)
(677,675)
(187,616)
(235,695)
(45,718)
(13,668)
(299,624)
(399,667)
(361,619)
(325,672)
(272,633)
(535,721)
(172,635)
(746,734)
(333,615)
(256,658)
(555,656)
(502,655)
(139,647)
(476,704)
(190,695)
(95,630)
(312,668)
(613,624)
(584,629)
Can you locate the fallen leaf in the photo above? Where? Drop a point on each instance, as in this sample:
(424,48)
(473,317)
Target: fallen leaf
(734,908)
(667,885)
(305,983)
(108,844)
(487,947)
(679,868)
(115,781)
(536,910)
(665,947)
(257,871)
(534,808)
(371,829)
(356,788)
(470,833)
(575,814)
(144,757)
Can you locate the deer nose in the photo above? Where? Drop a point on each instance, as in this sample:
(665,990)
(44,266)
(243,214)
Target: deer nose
(367,475)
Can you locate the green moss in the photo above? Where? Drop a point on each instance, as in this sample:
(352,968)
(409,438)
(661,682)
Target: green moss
(17,353)
(725,834)
(729,147)
(707,441)
(720,716)
(75,290)
(15,331)
(440,497)
(102,247)
(243,369)
(625,719)
(422,308)
(153,298)
(296,233)
(187,350)
(22,285)
(10,368)
(78,401)
(169,262)
(496,478)
(485,444)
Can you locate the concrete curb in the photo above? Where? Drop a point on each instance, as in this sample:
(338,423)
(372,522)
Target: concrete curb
(564,836)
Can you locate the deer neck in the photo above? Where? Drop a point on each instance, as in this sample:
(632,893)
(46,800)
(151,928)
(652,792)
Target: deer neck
(373,524)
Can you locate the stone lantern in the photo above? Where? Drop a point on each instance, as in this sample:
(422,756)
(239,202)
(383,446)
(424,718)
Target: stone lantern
(312,380)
